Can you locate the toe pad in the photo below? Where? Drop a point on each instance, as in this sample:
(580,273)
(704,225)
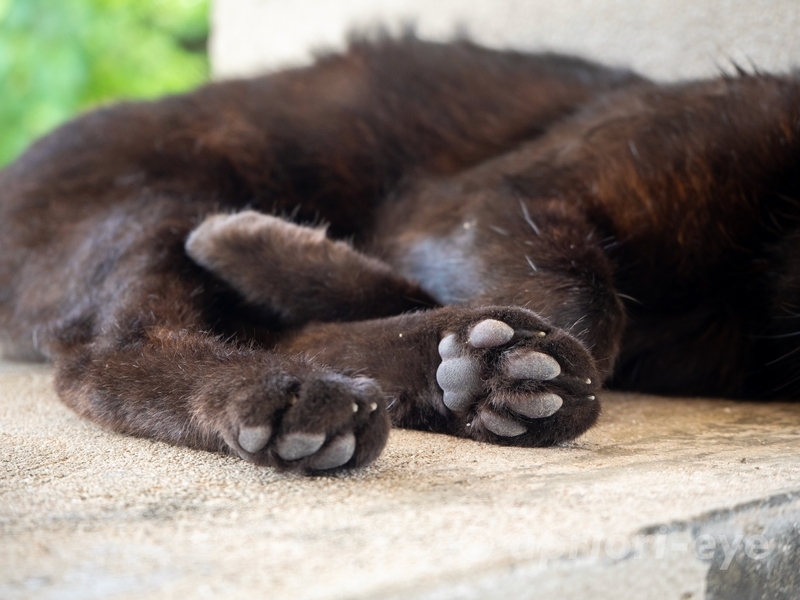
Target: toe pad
(538,406)
(490,333)
(295,446)
(502,426)
(253,439)
(532,365)
(337,453)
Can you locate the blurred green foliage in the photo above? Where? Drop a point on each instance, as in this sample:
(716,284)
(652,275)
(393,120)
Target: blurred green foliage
(58,57)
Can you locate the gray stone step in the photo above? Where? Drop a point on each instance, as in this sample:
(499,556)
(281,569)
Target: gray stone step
(664,498)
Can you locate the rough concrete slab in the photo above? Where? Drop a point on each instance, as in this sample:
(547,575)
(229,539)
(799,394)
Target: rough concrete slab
(665,498)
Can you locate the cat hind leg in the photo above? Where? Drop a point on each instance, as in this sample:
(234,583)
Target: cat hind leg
(297,272)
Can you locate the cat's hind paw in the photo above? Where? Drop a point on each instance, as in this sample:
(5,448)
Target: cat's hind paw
(507,376)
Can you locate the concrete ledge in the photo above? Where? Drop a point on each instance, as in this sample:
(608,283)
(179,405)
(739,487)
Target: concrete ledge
(664,39)
(666,498)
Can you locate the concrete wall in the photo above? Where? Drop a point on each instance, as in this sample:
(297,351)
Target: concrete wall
(666,39)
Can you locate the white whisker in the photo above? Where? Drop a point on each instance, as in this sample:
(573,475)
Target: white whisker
(631,298)
(527,216)
(499,230)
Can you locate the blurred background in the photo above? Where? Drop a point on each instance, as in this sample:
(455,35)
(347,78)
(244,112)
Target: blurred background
(664,39)
(58,57)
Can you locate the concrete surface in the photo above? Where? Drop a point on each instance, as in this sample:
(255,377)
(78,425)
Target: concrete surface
(665,498)
(665,39)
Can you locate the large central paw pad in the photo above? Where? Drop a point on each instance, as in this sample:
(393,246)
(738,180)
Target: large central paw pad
(506,379)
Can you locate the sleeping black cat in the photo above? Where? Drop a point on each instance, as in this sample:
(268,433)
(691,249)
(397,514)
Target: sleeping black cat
(503,234)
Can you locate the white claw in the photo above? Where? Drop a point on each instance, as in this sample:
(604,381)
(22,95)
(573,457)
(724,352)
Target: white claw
(355,407)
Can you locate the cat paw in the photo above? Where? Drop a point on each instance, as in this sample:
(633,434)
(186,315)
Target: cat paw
(224,242)
(508,377)
(325,421)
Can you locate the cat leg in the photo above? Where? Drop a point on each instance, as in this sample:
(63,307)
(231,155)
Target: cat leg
(496,247)
(297,272)
(438,386)
(195,390)
(138,355)
(496,374)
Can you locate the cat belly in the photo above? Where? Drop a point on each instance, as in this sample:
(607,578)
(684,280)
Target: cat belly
(445,268)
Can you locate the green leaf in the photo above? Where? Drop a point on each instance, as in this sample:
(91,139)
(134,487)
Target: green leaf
(60,57)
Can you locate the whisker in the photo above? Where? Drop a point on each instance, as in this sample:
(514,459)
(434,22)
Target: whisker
(633,149)
(776,337)
(786,384)
(530,262)
(787,355)
(789,199)
(631,298)
(571,327)
(499,230)
(527,216)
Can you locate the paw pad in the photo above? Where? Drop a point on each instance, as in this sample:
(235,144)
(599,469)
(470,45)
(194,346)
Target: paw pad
(538,406)
(502,426)
(336,453)
(318,421)
(532,365)
(490,333)
(460,380)
(507,376)
(253,439)
(295,446)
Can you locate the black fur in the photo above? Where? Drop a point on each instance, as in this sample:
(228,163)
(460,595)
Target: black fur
(503,233)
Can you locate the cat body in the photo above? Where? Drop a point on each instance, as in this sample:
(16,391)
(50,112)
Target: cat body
(502,234)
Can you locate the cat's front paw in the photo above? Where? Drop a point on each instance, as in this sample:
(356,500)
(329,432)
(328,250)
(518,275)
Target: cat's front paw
(508,377)
(323,421)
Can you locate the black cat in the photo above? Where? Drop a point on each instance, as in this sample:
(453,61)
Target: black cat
(503,234)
